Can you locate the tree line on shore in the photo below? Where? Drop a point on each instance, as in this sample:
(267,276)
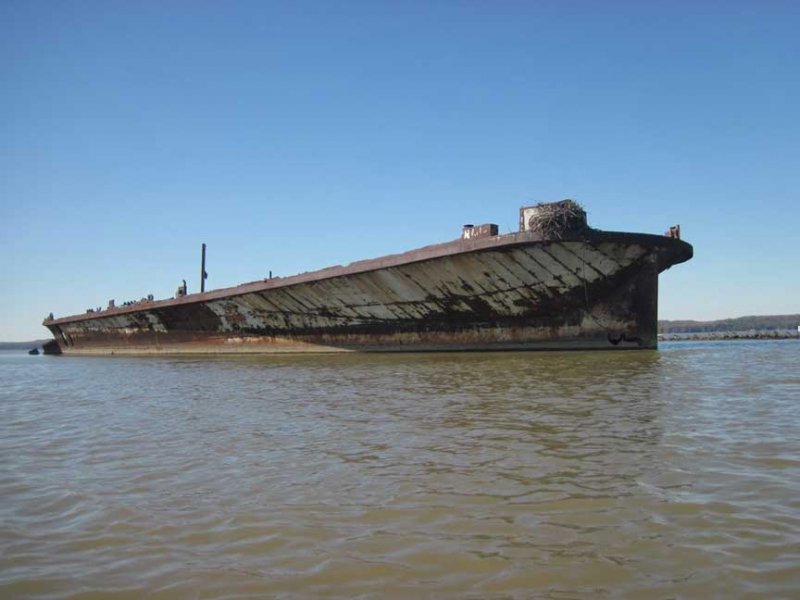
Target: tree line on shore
(23,345)
(756,323)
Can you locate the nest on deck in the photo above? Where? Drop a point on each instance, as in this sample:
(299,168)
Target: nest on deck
(554,219)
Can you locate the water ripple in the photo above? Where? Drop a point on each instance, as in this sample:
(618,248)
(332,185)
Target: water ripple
(553,475)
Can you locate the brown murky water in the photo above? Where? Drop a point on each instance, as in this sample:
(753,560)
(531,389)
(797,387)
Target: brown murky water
(535,475)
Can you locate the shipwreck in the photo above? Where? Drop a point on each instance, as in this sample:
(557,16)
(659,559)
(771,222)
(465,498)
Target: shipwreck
(554,284)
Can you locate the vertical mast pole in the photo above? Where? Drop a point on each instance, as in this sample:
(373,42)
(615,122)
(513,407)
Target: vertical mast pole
(203,274)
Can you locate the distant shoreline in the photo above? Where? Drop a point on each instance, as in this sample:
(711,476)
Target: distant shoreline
(727,335)
(23,345)
(750,325)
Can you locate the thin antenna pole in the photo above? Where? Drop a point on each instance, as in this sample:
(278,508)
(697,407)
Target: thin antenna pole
(203,273)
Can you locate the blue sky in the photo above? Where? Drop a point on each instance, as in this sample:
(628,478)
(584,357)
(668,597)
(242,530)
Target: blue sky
(290,136)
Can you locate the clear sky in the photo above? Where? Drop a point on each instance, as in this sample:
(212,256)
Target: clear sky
(294,135)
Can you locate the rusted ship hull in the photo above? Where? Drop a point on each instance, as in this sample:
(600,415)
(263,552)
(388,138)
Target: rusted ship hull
(594,289)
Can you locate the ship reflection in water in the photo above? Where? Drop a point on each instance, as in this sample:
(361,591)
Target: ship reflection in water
(553,475)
